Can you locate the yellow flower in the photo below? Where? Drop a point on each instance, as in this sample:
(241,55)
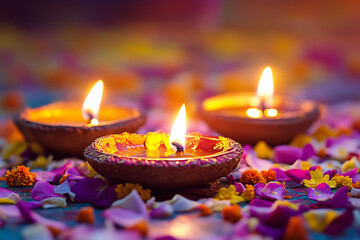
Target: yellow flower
(15,148)
(342,181)
(248,194)
(229,193)
(317,177)
(319,219)
(263,150)
(324,132)
(300,140)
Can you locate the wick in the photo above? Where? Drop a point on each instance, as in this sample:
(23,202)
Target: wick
(90,117)
(262,106)
(179,148)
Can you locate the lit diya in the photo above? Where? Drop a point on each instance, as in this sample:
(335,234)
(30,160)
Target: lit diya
(160,160)
(248,119)
(64,129)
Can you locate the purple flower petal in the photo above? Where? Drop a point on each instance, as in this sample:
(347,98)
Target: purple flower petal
(260,203)
(88,189)
(356,178)
(331,173)
(308,152)
(231,180)
(239,187)
(287,154)
(341,223)
(270,191)
(340,198)
(350,173)
(321,193)
(298,175)
(106,197)
(182,204)
(52,176)
(274,233)
(43,190)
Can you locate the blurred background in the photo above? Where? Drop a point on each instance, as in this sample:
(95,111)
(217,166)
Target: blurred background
(162,53)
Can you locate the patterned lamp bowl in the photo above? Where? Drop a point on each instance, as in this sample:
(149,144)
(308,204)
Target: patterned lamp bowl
(166,172)
(61,131)
(227,115)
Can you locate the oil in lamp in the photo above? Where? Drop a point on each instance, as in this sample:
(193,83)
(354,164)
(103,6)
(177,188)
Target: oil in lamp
(160,160)
(250,118)
(64,129)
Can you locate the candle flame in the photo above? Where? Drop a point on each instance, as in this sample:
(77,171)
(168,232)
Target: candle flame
(91,106)
(265,88)
(254,113)
(178,131)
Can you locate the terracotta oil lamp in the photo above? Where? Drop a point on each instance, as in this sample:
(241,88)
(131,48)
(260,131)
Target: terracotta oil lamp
(64,129)
(160,160)
(248,119)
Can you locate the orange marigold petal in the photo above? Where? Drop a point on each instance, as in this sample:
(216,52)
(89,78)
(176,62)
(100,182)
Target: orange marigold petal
(20,177)
(86,215)
(232,213)
(295,229)
(251,177)
(205,210)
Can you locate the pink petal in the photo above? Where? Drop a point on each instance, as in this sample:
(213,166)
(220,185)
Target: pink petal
(52,176)
(308,152)
(350,173)
(123,217)
(321,193)
(133,203)
(340,198)
(258,163)
(43,190)
(298,175)
(287,154)
(280,175)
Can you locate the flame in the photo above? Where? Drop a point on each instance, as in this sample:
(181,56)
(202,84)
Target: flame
(265,88)
(91,106)
(178,130)
(254,113)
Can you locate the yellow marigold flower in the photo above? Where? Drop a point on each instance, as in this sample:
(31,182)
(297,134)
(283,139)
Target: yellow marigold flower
(317,177)
(124,190)
(20,177)
(269,175)
(324,132)
(251,177)
(248,194)
(229,193)
(342,181)
(263,150)
(153,140)
(356,185)
(300,140)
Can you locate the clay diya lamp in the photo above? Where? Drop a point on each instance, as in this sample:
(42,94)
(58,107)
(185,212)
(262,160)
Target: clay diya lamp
(250,118)
(160,160)
(64,129)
